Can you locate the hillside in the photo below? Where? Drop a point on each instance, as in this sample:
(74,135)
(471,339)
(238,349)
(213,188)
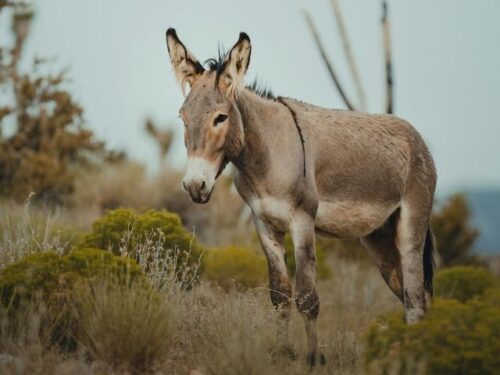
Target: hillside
(485,207)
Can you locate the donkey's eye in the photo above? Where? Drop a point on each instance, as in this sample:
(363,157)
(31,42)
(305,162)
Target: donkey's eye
(220,118)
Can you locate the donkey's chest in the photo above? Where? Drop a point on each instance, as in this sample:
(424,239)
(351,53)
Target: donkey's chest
(274,209)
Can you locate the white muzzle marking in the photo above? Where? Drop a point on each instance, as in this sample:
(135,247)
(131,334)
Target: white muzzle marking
(199,178)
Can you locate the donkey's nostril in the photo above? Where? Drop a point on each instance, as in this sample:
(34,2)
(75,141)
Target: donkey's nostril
(202,185)
(184,185)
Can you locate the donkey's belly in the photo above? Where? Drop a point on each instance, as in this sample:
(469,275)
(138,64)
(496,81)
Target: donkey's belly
(349,219)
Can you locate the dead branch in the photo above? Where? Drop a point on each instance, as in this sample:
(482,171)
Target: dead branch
(326,61)
(162,137)
(388,59)
(348,52)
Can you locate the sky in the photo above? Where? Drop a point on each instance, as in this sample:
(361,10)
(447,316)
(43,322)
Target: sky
(446,66)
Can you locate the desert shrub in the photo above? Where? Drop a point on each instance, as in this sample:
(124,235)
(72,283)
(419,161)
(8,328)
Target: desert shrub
(49,136)
(322,269)
(463,282)
(455,338)
(54,279)
(455,235)
(114,185)
(492,296)
(236,266)
(125,326)
(124,231)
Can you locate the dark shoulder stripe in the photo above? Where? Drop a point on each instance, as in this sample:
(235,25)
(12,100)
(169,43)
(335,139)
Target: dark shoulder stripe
(299,130)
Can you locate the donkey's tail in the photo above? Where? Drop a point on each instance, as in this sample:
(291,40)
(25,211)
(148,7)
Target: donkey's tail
(429,260)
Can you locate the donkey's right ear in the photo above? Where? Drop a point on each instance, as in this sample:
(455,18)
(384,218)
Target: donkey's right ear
(186,66)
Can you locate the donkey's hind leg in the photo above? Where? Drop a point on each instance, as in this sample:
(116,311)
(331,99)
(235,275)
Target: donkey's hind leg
(382,249)
(410,239)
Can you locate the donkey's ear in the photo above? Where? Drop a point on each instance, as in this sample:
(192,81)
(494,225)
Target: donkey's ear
(235,66)
(186,66)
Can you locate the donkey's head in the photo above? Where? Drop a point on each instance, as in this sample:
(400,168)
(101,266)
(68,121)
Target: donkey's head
(213,129)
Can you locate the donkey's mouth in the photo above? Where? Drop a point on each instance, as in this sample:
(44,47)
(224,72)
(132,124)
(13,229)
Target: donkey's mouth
(202,199)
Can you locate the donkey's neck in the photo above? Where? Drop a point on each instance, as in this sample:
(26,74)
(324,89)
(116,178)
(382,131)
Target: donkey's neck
(256,113)
(272,143)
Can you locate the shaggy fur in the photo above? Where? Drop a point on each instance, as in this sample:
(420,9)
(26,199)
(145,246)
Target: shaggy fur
(304,169)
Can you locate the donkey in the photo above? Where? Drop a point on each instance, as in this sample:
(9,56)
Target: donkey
(303,169)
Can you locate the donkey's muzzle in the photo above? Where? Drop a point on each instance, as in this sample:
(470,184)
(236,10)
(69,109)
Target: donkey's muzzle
(198,190)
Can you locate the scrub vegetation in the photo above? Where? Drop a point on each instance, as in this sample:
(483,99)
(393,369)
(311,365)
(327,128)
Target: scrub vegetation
(108,269)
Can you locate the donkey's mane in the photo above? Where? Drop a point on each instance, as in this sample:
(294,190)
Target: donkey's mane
(216,64)
(257,87)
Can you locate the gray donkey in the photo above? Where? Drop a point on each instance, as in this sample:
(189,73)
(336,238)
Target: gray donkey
(304,169)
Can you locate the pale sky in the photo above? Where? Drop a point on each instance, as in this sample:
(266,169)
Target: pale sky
(446,61)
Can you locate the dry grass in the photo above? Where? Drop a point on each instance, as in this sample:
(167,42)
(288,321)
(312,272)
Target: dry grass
(203,328)
(121,184)
(234,333)
(174,331)
(127,327)
(24,231)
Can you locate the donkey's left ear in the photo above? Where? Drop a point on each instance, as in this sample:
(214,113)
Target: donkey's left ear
(235,66)
(186,66)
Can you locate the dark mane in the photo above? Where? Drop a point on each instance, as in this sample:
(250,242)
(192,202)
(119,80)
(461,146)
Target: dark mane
(217,65)
(261,90)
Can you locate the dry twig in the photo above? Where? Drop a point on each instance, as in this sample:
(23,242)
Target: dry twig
(349,55)
(326,61)
(388,59)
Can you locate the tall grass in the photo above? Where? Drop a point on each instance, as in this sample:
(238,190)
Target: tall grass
(126,326)
(25,231)
(166,268)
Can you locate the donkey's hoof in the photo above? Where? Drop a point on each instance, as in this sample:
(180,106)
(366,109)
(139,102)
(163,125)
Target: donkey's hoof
(316,358)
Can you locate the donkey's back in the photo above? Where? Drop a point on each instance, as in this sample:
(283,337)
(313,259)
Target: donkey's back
(364,165)
(362,150)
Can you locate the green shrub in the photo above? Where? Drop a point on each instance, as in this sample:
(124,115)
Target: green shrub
(322,269)
(455,234)
(492,296)
(463,282)
(125,231)
(236,266)
(455,338)
(54,279)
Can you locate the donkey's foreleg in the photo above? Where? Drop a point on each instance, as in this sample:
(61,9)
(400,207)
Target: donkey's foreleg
(279,282)
(307,300)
